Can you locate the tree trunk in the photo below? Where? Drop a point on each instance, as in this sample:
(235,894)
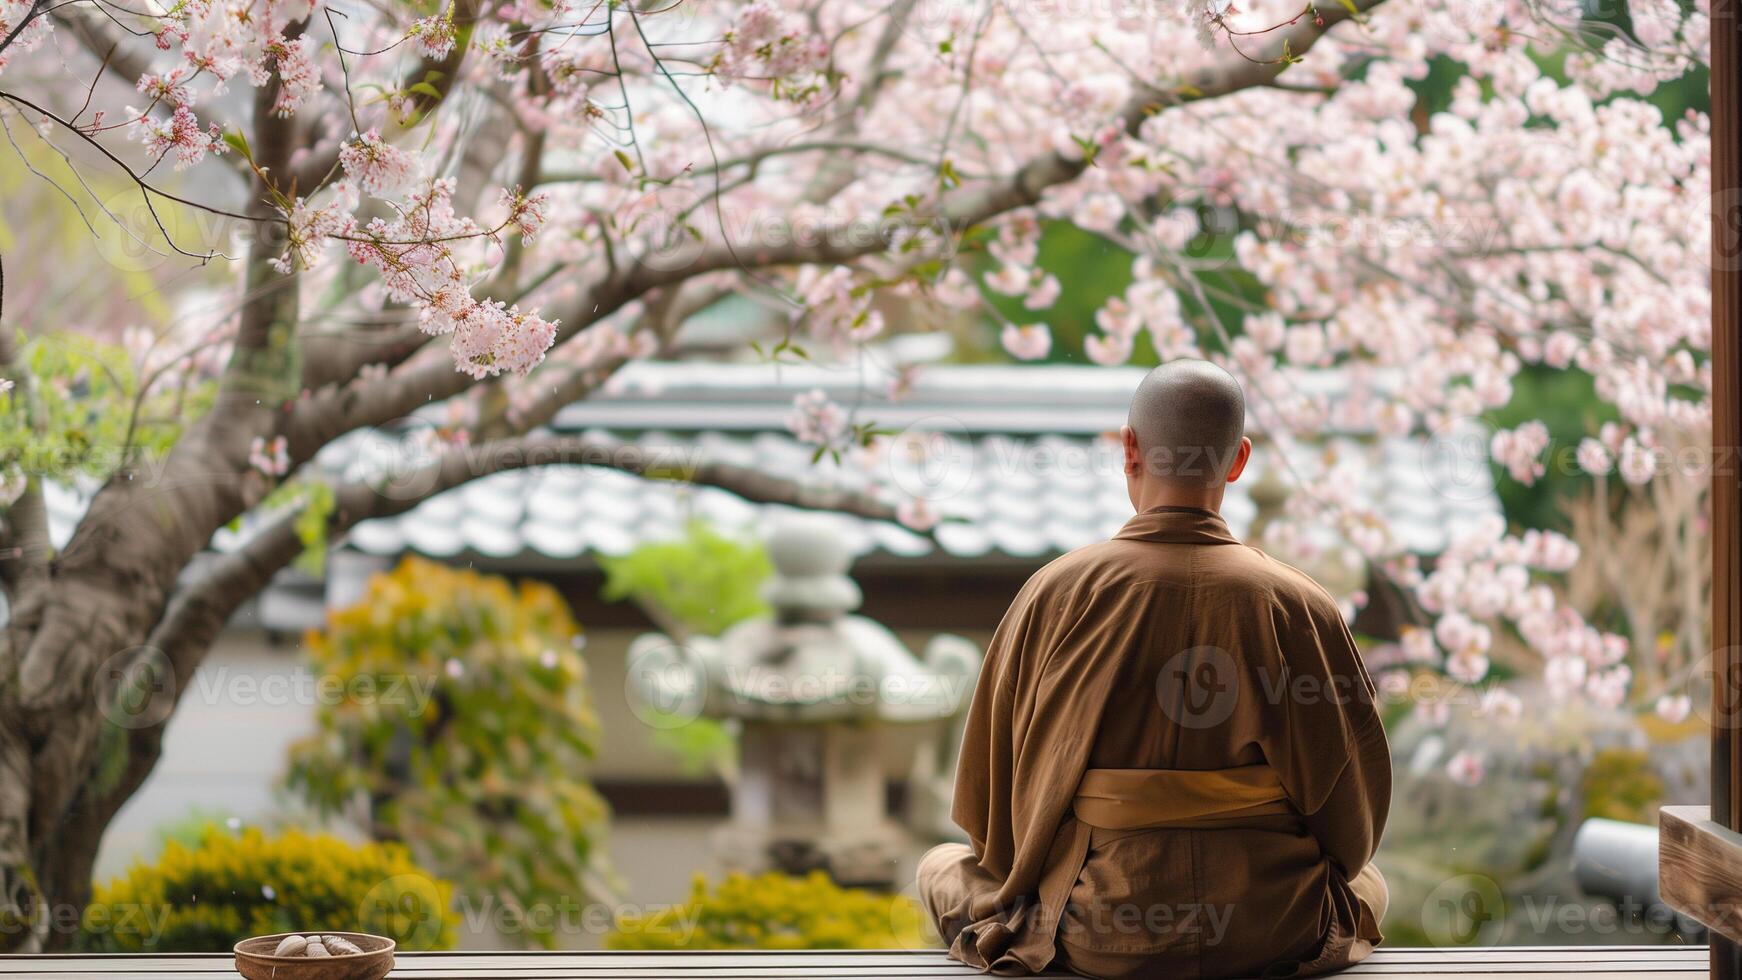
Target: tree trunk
(69,768)
(86,686)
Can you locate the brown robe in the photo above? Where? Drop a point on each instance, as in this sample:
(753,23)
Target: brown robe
(1171,647)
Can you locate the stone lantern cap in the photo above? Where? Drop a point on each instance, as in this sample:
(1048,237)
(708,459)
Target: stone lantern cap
(810,582)
(811,660)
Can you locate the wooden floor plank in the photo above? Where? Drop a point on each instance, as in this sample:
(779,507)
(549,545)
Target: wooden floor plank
(1510,963)
(683,960)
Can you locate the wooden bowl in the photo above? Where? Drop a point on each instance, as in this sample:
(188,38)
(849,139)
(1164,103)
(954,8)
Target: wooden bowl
(255,961)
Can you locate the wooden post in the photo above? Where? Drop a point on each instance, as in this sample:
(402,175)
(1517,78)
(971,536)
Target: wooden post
(1726,497)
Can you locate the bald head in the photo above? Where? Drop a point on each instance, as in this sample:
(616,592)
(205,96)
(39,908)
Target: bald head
(1188,417)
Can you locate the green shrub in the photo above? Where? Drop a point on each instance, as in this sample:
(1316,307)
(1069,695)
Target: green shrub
(230,886)
(465,725)
(702,582)
(776,911)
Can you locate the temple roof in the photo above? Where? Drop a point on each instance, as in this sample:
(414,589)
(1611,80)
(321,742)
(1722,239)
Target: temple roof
(1028,471)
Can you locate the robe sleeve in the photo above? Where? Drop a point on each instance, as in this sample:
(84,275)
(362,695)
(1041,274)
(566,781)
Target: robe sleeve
(1325,738)
(1030,727)
(983,764)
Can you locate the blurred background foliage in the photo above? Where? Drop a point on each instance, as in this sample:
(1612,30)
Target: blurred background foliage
(88,408)
(776,911)
(229,884)
(698,583)
(465,729)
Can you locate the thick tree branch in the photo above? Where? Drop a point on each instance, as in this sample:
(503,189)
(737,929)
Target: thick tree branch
(264,370)
(977,203)
(196,612)
(314,422)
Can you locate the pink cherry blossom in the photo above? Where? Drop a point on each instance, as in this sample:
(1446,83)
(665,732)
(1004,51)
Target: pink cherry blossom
(378,167)
(817,421)
(271,458)
(434,35)
(1466,768)
(1032,342)
(1520,451)
(1107,350)
(1674,708)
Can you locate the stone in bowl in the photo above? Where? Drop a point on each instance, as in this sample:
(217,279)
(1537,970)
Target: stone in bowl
(255,961)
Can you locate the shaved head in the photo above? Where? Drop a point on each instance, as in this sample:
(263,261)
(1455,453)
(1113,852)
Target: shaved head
(1189,417)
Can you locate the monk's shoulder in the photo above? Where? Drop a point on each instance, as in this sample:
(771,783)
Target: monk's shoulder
(1280,584)
(1089,566)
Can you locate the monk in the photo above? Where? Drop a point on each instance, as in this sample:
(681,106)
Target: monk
(1173,765)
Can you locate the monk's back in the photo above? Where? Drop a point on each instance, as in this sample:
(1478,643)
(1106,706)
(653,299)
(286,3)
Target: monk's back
(1206,610)
(1172,764)
(1213,902)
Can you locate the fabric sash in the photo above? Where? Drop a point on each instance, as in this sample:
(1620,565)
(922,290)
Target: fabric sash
(1142,799)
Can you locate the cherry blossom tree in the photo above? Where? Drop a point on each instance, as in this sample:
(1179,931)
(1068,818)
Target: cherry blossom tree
(483,211)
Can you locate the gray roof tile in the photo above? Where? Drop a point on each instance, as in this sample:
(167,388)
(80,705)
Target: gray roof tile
(1009,489)
(1030,474)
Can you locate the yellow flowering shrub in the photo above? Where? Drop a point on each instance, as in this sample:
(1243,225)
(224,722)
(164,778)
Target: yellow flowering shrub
(231,886)
(1619,784)
(464,723)
(776,911)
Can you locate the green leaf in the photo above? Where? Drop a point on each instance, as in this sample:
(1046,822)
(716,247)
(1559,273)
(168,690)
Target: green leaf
(311,528)
(238,141)
(947,175)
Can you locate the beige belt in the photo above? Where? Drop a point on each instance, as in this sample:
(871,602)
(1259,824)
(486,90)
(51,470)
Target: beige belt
(1142,799)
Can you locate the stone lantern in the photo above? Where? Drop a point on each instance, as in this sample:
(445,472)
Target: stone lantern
(824,700)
